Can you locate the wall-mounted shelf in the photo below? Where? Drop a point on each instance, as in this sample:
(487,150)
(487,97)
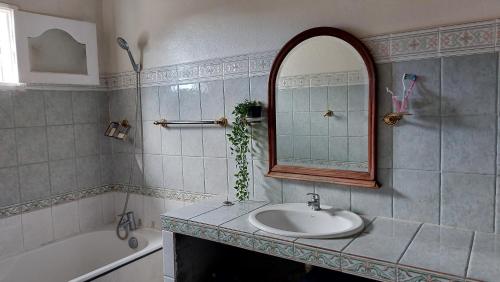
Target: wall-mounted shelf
(55,50)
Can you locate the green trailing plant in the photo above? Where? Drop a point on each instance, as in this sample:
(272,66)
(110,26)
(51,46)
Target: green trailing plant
(240,139)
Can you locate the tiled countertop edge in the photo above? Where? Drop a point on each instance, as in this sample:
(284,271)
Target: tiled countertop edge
(290,249)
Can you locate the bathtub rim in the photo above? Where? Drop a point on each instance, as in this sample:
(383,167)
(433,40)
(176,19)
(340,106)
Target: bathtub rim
(155,244)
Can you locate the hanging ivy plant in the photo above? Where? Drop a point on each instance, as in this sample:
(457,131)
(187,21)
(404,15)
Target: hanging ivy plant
(240,140)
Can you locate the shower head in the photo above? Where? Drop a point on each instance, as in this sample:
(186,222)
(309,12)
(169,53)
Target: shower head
(124,45)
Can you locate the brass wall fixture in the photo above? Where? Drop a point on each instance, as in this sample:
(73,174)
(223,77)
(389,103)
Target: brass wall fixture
(328,113)
(164,123)
(392,119)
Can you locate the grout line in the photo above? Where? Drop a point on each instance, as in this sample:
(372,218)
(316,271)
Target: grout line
(180,137)
(495,188)
(17,166)
(409,243)
(44,97)
(471,245)
(440,210)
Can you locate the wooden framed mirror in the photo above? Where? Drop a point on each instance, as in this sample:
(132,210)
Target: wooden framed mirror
(322,110)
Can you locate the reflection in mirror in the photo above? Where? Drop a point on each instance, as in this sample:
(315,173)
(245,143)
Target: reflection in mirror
(322,106)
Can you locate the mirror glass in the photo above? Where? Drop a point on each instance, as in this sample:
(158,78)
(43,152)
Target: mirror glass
(322,106)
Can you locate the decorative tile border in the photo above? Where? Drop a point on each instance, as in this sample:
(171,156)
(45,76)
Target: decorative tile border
(225,68)
(368,268)
(203,231)
(237,239)
(315,256)
(471,38)
(95,191)
(407,274)
(175,225)
(274,247)
(53,200)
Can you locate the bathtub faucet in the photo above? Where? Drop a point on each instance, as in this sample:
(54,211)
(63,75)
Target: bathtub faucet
(128,222)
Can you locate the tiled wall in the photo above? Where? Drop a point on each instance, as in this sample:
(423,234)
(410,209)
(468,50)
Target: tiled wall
(35,228)
(51,143)
(32,229)
(438,165)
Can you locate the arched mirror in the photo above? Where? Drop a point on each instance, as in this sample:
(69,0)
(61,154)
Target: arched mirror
(322,110)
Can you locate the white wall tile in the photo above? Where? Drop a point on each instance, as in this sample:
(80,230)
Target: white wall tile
(90,213)
(192,142)
(173,204)
(108,208)
(296,191)
(215,175)
(37,228)
(193,174)
(189,101)
(136,205)
(65,219)
(153,170)
(153,208)
(11,236)
(171,141)
(214,142)
(172,172)
(212,99)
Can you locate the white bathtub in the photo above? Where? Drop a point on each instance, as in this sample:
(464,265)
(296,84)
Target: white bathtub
(79,258)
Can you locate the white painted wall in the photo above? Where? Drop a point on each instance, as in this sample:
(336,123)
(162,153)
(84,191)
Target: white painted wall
(176,31)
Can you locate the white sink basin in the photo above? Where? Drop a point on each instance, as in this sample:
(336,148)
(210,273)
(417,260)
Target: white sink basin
(298,220)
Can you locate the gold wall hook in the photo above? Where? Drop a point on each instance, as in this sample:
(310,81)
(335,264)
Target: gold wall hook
(329,113)
(161,122)
(222,121)
(392,119)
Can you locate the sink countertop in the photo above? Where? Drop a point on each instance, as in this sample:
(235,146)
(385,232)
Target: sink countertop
(387,250)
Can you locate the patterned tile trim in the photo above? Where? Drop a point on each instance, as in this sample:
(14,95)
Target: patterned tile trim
(175,225)
(438,42)
(170,194)
(406,274)
(95,191)
(53,200)
(203,231)
(231,67)
(237,239)
(314,256)
(368,268)
(274,247)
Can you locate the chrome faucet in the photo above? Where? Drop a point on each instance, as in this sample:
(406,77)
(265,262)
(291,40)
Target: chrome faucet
(315,203)
(128,222)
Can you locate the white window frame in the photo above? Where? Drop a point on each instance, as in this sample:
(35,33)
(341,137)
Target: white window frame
(9,74)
